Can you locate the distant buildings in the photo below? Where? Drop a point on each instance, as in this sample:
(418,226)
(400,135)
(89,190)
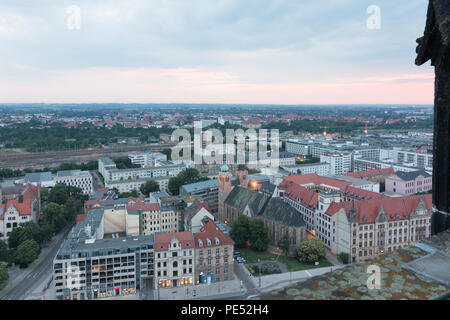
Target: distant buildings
(126,180)
(147,159)
(320,168)
(339,163)
(76,178)
(73,178)
(408,183)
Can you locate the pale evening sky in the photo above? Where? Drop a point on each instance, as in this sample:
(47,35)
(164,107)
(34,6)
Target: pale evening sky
(213,51)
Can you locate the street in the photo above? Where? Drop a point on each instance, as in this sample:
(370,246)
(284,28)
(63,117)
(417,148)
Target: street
(37,274)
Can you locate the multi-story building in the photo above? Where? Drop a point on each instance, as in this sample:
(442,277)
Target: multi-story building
(365,229)
(339,163)
(15,212)
(195,214)
(366,165)
(408,183)
(88,266)
(213,254)
(299,148)
(174,259)
(76,178)
(147,159)
(321,168)
(206,191)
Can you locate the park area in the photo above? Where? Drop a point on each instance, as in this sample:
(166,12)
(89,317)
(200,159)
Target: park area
(272,263)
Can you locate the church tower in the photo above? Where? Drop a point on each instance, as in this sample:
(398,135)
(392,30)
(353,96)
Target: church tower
(242,176)
(224,189)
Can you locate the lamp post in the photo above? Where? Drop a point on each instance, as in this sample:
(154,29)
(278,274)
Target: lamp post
(259,262)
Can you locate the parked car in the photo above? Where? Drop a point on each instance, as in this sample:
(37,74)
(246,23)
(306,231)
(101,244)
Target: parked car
(236,253)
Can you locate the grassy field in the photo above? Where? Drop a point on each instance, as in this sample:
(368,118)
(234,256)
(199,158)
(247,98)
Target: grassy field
(251,256)
(292,264)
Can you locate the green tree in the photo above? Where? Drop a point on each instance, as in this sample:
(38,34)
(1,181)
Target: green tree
(4,276)
(4,254)
(285,242)
(149,186)
(188,176)
(53,215)
(240,231)
(312,250)
(258,235)
(132,193)
(59,194)
(29,231)
(344,257)
(26,253)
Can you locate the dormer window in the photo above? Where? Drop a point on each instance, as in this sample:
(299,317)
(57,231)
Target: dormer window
(200,243)
(208,241)
(217,241)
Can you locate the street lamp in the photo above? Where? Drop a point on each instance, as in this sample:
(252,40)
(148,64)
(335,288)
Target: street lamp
(259,262)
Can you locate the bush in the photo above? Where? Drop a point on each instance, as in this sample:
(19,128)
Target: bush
(344,257)
(311,251)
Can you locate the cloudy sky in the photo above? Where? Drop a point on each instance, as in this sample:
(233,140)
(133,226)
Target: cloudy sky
(213,51)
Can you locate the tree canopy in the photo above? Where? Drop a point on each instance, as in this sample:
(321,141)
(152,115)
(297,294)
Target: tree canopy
(312,250)
(149,186)
(188,176)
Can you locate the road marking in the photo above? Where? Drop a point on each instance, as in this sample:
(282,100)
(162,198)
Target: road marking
(309,274)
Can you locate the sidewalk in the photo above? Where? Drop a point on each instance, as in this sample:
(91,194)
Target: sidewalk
(19,274)
(203,291)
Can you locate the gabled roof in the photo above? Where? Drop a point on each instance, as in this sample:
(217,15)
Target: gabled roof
(162,240)
(279,211)
(24,207)
(402,206)
(239,197)
(195,207)
(211,231)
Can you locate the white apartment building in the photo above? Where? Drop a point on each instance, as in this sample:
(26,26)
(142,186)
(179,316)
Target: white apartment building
(321,168)
(147,159)
(339,163)
(299,148)
(76,178)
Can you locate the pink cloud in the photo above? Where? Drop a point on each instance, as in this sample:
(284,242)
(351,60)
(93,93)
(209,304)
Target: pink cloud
(196,85)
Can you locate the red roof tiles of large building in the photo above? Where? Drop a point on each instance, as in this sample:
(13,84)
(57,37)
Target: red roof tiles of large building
(210,231)
(402,206)
(162,240)
(307,197)
(370,173)
(24,207)
(313,179)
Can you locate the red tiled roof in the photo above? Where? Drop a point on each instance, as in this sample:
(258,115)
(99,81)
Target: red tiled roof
(403,206)
(195,207)
(24,207)
(368,173)
(345,187)
(307,197)
(211,231)
(80,217)
(30,192)
(162,240)
(313,178)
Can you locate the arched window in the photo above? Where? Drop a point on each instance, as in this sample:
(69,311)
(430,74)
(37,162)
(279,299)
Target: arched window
(175,264)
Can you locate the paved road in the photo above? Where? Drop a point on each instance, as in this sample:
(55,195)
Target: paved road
(31,280)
